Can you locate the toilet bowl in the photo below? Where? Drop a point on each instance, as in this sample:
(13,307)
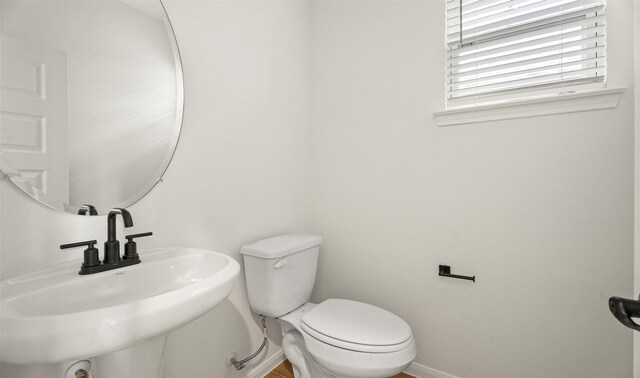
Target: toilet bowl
(351,339)
(335,338)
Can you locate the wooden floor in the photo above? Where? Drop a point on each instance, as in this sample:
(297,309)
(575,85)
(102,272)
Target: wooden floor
(284,370)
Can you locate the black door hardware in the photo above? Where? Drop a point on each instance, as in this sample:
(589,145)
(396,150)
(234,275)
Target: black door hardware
(625,309)
(112,259)
(445,271)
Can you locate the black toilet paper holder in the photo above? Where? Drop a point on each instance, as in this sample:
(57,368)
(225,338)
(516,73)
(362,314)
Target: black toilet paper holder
(445,271)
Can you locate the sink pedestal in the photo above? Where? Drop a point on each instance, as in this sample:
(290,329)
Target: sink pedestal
(141,360)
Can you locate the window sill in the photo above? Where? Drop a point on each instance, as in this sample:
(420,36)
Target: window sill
(606,98)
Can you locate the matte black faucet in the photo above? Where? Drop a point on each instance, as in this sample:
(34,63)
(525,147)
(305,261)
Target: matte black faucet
(112,259)
(112,245)
(90,209)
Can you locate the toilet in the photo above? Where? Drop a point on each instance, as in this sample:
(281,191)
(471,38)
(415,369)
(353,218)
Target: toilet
(335,338)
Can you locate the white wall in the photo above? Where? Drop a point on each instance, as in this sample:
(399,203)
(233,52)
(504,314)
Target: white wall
(540,209)
(238,174)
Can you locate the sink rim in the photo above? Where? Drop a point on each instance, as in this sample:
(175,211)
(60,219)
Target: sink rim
(66,274)
(37,339)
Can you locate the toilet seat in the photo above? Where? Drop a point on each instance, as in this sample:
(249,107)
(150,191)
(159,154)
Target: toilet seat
(355,346)
(357,326)
(353,339)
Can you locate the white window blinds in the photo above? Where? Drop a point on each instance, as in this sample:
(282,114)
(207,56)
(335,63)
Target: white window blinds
(504,49)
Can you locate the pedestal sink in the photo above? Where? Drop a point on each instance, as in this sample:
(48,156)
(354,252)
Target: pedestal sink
(55,316)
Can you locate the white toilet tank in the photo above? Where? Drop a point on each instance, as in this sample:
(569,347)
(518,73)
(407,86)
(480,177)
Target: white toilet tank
(280,272)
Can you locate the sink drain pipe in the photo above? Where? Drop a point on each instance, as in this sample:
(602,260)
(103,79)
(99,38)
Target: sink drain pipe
(240,364)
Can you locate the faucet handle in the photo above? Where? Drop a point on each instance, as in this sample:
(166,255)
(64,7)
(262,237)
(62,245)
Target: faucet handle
(131,237)
(131,248)
(88,243)
(90,254)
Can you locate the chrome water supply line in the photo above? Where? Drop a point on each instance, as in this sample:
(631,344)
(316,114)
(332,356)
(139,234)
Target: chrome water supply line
(240,364)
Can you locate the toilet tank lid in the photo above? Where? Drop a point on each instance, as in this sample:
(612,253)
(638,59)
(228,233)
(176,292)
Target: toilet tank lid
(280,246)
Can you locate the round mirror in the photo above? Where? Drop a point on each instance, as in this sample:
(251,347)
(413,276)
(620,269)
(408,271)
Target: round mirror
(91,100)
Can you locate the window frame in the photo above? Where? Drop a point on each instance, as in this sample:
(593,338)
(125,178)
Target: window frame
(526,103)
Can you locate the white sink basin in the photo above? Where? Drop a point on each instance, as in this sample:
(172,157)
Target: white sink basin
(55,315)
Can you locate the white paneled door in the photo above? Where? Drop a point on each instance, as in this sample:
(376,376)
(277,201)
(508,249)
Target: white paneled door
(33,119)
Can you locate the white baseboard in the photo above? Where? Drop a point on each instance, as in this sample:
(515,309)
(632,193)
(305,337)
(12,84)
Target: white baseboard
(421,371)
(415,369)
(267,365)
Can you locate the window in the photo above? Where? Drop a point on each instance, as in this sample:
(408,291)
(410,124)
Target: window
(501,50)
